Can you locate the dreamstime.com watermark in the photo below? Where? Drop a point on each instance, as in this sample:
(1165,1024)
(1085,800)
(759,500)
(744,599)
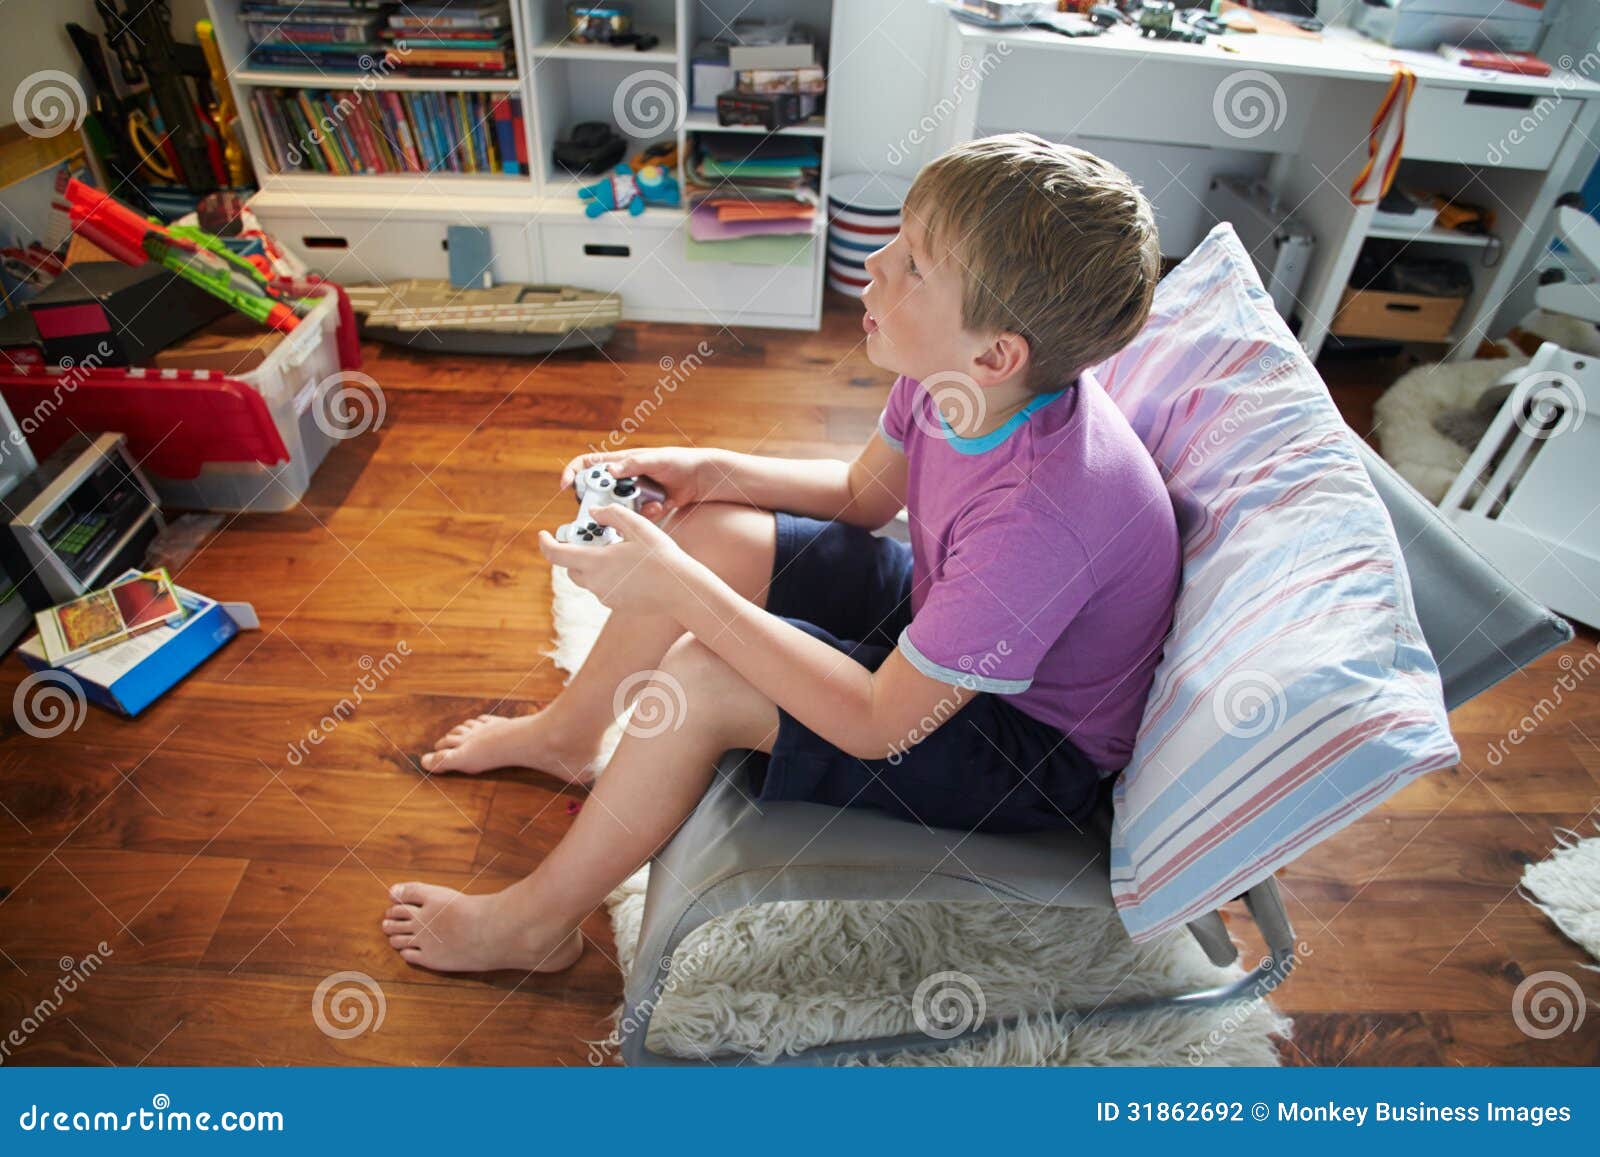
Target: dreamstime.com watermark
(971,76)
(947,1004)
(649,104)
(1573,673)
(1245,404)
(74,974)
(377,671)
(348,404)
(1571,75)
(48,103)
(674,372)
(658,700)
(972,672)
(160,1117)
(1248,103)
(49,703)
(347,1004)
(1248,704)
(326,127)
(956,402)
(1548,1004)
(69,376)
(631,1020)
(1240,1011)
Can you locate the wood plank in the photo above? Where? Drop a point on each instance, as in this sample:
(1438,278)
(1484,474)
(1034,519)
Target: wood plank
(149,908)
(303,920)
(182,1017)
(171,802)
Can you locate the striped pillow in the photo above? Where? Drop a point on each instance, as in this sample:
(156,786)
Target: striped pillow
(1296,691)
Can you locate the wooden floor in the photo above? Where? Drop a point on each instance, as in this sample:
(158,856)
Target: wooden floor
(229,880)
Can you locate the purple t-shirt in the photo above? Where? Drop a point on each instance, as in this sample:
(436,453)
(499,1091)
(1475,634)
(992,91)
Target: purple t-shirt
(1045,560)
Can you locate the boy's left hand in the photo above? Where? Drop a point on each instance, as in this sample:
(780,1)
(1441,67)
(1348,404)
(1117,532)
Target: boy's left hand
(642,574)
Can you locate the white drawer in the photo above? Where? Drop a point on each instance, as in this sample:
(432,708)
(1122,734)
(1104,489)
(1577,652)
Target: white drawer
(1485,126)
(366,247)
(647,265)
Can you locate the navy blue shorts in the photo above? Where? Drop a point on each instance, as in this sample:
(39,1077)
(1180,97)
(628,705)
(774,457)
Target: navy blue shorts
(989,767)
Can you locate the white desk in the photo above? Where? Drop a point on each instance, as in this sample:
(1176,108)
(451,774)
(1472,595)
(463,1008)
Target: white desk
(1297,111)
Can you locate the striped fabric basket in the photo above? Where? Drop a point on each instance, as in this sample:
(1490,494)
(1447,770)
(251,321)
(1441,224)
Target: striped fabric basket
(1296,691)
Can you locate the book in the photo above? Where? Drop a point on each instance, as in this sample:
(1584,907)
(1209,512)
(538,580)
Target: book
(1519,63)
(108,616)
(502,132)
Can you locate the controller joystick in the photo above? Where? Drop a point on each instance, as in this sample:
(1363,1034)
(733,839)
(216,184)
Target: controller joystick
(597,487)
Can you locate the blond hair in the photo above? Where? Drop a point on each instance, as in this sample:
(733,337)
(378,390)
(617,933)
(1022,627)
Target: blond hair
(1054,244)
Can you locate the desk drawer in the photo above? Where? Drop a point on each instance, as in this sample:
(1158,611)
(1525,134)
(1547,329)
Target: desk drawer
(1486,126)
(648,267)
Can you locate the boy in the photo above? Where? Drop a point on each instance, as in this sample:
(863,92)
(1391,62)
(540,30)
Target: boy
(987,677)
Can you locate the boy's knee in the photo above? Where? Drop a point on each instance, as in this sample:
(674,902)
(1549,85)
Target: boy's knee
(698,528)
(693,664)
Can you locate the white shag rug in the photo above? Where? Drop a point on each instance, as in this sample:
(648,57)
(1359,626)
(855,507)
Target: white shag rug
(1403,416)
(778,978)
(1403,419)
(1566,888)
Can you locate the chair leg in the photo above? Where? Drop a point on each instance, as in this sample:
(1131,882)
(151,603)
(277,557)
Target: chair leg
(1263,902)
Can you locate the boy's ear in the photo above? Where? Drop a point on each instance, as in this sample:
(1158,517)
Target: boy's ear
(1005,356)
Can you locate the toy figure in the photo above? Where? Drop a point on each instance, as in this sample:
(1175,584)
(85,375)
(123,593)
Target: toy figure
(625,189)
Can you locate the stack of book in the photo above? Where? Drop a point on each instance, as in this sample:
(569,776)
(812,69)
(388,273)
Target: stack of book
(739,189)
(127,644)
(468,38)
(352,132)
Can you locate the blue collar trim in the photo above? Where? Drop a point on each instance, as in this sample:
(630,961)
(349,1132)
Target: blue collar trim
(986,442)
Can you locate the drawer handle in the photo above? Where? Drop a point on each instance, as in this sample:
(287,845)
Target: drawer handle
(605,251)
(1401,307)
(1496,99)
(324,242)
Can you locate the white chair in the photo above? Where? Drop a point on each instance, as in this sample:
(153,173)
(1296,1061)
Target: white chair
(1529,496)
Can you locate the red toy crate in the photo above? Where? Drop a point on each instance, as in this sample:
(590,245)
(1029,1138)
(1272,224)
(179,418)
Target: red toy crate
(206,441)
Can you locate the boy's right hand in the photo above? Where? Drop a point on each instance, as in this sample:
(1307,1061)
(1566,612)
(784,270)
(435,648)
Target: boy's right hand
(681,472)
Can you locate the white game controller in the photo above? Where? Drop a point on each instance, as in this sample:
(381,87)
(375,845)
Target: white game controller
(597,487)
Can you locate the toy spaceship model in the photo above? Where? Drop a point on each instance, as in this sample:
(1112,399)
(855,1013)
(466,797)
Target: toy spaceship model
(507,319)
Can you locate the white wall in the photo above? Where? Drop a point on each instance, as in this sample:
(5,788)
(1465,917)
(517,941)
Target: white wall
(878,84)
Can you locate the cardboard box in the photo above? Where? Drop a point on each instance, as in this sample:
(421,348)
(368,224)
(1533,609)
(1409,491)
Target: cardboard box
(743,57)
(810,80)
(233,344)
(130,676)
(710,74)
(1401,316)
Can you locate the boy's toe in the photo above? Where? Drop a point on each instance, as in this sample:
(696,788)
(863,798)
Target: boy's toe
(411,892)
(399,942)
(401,913)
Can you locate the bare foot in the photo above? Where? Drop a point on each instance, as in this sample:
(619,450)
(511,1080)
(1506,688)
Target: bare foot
(534,741)
(450,931)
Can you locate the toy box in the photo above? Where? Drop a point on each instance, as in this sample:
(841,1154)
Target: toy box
(209,441)
(132,675)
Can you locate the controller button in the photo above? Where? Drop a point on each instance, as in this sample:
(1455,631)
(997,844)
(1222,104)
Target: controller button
(625,487)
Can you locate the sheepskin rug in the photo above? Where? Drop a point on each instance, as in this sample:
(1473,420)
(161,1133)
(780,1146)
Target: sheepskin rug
(1403,419)
(1566,888)
(779,978)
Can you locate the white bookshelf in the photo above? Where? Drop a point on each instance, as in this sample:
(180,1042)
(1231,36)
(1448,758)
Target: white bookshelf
(365,227)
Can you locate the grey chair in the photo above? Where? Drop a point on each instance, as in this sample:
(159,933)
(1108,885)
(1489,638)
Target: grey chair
(728,855)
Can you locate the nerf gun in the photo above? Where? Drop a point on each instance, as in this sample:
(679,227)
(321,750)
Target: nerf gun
(192,254)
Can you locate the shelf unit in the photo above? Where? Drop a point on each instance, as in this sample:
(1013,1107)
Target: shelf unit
(389,226)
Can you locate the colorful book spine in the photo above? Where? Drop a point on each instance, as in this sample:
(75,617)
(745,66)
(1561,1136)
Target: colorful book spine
(354,133)
(502,133)
(519,133)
